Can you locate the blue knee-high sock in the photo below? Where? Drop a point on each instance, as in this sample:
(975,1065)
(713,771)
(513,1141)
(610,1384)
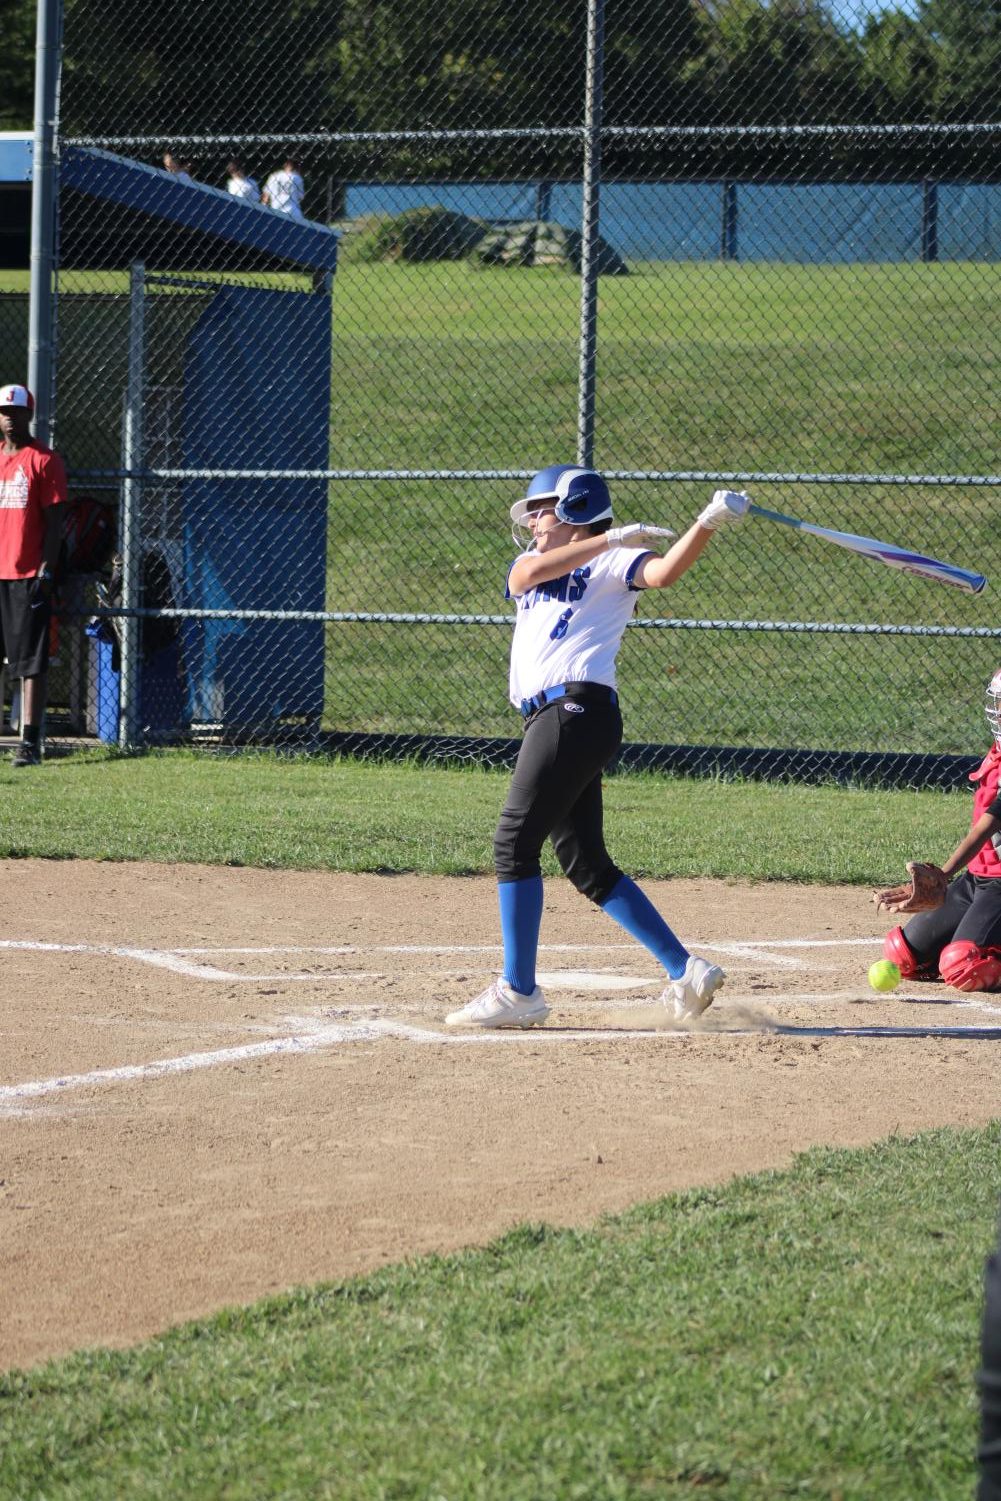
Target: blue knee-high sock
(521,918)
(640,918)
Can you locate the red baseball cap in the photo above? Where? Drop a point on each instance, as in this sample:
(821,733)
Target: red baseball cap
(16,396)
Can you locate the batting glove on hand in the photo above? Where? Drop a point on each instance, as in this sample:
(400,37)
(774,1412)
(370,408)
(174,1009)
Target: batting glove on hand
(725,508)
(635,534)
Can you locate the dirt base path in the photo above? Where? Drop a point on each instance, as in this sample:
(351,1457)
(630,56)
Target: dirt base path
(216,1084)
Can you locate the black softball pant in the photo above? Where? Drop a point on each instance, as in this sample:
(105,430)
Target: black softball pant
(971,911)
(556,794)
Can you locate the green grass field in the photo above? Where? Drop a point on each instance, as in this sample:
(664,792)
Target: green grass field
(810,1333)
(805,1333)
(869,368)
(307,813)
(861,369)
(817,369)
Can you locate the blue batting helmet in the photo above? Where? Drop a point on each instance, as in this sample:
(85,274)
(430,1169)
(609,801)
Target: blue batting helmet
(581,496)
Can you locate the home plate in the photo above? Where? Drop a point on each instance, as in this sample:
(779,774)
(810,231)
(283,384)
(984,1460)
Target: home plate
(583,979)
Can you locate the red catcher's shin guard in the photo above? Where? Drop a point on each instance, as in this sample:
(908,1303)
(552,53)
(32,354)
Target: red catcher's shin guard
(965,966)
(899,952)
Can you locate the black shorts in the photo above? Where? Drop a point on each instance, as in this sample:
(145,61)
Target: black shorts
(25,628)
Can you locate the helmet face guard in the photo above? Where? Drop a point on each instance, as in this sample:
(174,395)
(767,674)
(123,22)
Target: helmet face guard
(992,706)
(579,497)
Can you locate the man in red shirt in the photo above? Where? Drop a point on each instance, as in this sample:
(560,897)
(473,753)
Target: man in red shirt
(32,488)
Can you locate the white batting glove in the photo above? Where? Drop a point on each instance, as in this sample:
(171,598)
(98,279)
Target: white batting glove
(725,508)
(636,534)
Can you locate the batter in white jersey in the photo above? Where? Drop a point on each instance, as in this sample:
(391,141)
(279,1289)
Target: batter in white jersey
(575,591)
(569,629)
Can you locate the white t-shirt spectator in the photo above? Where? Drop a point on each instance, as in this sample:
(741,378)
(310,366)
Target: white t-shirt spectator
(244,187)
(285,193)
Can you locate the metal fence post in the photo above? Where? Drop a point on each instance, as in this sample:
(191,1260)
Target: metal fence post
(728,222)
(929,221)
(41,305)
(131,513)
(589,232)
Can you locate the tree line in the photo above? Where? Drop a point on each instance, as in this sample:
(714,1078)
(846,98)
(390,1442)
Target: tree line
(298,66)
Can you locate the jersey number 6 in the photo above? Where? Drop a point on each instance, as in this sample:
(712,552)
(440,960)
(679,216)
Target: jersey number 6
(561,627)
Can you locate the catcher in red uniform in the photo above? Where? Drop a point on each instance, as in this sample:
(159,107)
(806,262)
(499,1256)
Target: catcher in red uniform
(957,931)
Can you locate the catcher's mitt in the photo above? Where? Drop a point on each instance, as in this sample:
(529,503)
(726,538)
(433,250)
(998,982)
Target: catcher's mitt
(922,893)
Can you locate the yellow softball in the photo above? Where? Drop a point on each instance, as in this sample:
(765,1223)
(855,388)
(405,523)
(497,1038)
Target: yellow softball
(884,975)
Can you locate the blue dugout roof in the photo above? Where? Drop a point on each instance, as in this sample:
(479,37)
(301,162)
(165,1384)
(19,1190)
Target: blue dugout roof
(197,206)
(16,155)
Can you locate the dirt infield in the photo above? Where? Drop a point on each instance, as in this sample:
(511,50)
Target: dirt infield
(217,1083)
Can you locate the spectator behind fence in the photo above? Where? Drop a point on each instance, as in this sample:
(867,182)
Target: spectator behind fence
(180,169)
(284,189)
(240,185)
(32,496)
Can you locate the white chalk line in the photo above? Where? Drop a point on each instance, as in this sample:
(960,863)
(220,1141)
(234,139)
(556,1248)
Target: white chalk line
(173,959)
(495,948)
(313,1039)
(728,998)
(313,1035)
(183,961)
(759,950)
(757,998)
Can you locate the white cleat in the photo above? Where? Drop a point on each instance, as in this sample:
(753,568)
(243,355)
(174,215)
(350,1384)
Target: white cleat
(693,993)
(500,1006)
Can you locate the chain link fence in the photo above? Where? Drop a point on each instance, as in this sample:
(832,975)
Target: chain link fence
(742,243)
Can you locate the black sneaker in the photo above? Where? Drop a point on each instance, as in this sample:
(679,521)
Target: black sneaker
(26,755)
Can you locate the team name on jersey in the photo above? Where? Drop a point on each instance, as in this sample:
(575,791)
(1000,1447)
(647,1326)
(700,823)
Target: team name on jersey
(14,492)
(565,590)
